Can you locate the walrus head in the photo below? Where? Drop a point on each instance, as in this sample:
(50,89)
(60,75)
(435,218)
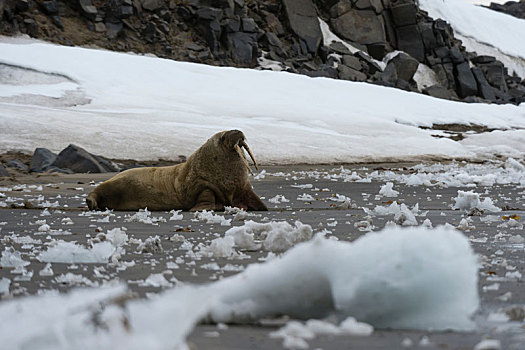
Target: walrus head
(235,141)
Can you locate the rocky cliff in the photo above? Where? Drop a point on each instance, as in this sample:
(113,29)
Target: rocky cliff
(343,39)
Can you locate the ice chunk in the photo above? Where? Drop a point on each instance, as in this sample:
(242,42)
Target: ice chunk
(175,215)
(388,191)
(467,200)
(4,285)
(210,218)
(71,252)
(12,258)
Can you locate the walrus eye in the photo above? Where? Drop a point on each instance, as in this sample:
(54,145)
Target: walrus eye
(243,157)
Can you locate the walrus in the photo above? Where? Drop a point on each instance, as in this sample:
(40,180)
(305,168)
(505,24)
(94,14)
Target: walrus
(214,176)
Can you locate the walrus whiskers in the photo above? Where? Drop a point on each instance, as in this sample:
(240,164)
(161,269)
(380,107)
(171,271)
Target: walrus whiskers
(243,157)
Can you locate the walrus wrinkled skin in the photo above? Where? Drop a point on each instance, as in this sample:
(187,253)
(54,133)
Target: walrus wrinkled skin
(213,177)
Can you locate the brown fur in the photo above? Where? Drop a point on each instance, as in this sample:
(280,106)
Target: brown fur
(213,177)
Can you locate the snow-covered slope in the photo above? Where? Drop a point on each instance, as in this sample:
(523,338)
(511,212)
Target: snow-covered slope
(129,106)
(483,30)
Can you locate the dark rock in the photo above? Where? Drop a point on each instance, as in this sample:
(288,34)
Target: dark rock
(483,59)
(352,62)
(17,164)
(340,48)
(371,64)
(208,13)
(57,21)
(54,169)
(31,27)
(409,40)
(495,74)
(22,5)
(152,5)
(232,25)
(427,34)
(347,73)
(49,7)
(100,27)
(273,23)
(302,16)
(3,171)
(466,82)
(42,158)
(221,4)
(485,90)
(79,160)
(513,8)
(439,92)
(404,14)
(389,74)
(406,66)
(456,55)
(377,51)
(361,26)
(442,52)
(275,44)
(89,10)
(326,72)
(243,47)
(248,25)
(114,29)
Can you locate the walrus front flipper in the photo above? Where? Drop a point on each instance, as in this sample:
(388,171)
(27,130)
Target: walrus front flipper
(207,201)
(91,201)
(249,200)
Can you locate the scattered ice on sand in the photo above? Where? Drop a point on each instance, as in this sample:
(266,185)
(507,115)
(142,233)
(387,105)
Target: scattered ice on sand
(210,218)
(144,216)
(488,344)
(375,279)
(150,245)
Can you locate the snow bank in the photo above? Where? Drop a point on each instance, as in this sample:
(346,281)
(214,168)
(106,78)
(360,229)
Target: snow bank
(490,32)
(145,115)
(399,278)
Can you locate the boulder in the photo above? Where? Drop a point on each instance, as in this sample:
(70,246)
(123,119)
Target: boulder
(495,74)
(409,40)
(88,9)
(17,164)
(371,65)
(304,22)
(389,75)
(406,66)
(41,160)
(243,47)
(485,90)
(439,92)
(403,12)
(360,26)
(79,160)
(347,73)
(467,84)
(352,62)
(3,171)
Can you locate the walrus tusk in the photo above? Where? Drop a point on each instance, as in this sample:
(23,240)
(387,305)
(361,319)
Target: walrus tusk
(243,157)
(245,145)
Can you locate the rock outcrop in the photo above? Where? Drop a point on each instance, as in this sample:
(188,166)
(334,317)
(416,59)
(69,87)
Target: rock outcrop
(513,8)
(286,33)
